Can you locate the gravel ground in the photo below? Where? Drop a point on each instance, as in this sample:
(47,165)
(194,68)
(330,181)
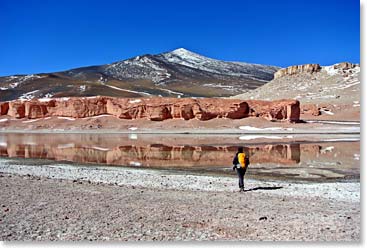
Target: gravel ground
(61,202)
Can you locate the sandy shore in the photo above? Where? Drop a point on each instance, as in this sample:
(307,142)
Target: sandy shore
(108,124)
(63,202)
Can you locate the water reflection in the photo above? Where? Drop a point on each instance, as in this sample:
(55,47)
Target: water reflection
(333,159)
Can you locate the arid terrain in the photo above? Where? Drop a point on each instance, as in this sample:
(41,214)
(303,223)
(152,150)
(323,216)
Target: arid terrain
(61,202)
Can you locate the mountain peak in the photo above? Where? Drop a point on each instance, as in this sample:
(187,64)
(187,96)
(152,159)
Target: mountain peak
(183,52)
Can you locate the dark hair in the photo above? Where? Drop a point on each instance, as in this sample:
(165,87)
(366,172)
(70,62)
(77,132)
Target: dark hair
(240,149)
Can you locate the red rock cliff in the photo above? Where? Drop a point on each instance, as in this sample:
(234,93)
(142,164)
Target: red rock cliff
(155,109)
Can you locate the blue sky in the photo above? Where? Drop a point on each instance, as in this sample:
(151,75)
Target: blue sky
(46,36)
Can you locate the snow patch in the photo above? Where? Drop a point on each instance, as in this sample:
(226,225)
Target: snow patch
(133,163)
(135,101)
(98,116)
(327,149)
(133,136)
(330,70)
(101,148)
(172,92)
(132,91)
(44,99)
(249,128)
(328,112)
(4,120)
(66,118)
(64,146)
(82,88)
(133,128)
(251,137)
(28,95)
(30,121)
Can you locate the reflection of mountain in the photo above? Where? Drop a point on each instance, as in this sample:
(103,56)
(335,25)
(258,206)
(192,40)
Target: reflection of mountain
(156,155)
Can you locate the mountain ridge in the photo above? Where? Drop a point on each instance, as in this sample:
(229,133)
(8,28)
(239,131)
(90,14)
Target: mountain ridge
(175,73)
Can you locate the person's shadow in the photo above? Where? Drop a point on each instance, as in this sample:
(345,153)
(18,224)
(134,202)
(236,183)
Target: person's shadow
(263,188)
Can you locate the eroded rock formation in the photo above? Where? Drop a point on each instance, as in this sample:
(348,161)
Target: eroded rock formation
(295,69)
(275,110)
(311,109)
(155,109)
(344,66)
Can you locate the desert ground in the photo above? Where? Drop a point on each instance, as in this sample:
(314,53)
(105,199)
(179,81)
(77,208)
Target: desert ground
(63,202)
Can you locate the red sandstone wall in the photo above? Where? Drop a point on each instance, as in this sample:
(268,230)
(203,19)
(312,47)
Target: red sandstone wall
(155,109)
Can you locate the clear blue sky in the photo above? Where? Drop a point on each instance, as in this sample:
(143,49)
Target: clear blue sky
(45,36)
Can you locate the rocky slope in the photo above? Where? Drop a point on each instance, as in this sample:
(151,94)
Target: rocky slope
(154,109)
(178,73)
(326,90)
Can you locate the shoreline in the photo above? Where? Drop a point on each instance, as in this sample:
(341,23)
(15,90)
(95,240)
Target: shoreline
(195,131)
(160,179)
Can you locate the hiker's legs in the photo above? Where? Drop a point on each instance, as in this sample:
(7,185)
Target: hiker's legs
(240,174)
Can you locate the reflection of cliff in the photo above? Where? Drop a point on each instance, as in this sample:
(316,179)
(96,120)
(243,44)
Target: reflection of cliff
(157,155)
(280,154)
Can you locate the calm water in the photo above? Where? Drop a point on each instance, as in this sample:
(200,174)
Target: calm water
(292,157)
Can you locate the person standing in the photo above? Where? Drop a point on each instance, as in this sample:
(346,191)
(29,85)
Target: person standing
(240,164)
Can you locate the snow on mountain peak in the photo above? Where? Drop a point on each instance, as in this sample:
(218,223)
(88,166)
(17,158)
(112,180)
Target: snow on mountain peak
(181,51)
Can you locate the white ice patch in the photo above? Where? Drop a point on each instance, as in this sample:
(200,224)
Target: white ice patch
(66,118)
(28,95)
(133,128)
(132,91)
(356,156)
(133,163)
(172,92)
(64,146)
(133,136)
(135,101)
(46,99)
(98,116)
(4,120)
(328,112)
(100,148)
(342,139)
(82,88)
(336,122)
(227,87)
(249,128)
(251,137)
(4,144)
(330,70)
(30,121)
(327,149)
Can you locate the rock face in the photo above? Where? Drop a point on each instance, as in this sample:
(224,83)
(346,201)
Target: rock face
(311,109)
(345,66)
(310,68)
(154,109)
(4,107)
(275,110)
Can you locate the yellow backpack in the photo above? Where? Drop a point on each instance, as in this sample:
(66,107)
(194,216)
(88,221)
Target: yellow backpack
(242,159)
